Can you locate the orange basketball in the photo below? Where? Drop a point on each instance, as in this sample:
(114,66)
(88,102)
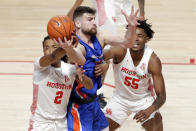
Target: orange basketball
(60,26)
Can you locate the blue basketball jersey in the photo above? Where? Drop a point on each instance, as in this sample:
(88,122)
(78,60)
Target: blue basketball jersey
(93,57)
(84,112)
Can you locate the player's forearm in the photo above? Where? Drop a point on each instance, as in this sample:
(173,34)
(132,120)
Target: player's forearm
(87,82)
(76,4)
(159,101)
(130,36)
(107,54)
(141,7)
(51,58)
(105,71)
(75,56)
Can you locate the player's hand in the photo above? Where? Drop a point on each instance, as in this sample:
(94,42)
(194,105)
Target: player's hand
(80,72)
(132,18)
(75,39)
(142,115)
(66,45)
(100,69)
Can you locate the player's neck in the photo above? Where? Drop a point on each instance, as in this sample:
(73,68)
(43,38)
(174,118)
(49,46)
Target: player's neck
(137,55)
(84,37)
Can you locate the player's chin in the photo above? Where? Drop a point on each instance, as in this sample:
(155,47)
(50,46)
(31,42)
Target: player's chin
(135,49)
(93,31)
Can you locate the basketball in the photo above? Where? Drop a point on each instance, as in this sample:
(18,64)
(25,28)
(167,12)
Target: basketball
(60,26)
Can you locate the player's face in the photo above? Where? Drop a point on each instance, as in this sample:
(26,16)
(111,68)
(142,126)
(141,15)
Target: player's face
(141,39)
(49,46)
(88,24)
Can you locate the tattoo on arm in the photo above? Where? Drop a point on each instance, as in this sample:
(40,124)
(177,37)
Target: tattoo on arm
(86,82)
(160,100)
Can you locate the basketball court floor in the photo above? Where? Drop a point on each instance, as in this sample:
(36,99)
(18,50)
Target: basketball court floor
(23,26)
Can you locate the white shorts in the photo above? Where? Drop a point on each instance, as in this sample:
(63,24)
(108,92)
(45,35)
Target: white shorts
(119,109)
(37,124)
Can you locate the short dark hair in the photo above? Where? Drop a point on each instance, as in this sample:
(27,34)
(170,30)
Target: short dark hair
(79,11)
(146,27)
(45,39)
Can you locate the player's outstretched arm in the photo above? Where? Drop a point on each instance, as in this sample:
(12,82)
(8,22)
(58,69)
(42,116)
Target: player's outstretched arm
(155,68)
(47,60)
(76,4)
(129,37)
(83,79)
(141,4)
(74,54)
(113,52)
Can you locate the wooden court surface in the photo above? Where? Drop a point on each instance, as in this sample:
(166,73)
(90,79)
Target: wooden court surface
(23,26)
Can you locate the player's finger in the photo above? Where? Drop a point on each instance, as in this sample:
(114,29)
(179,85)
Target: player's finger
(137,11)
(72,37)
(55,40)
(65,39)
(123,12)
(137,115)
(98,71)
(132,10)
(60,41)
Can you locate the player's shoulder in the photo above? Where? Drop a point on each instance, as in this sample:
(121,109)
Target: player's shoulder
(154,64)
(81,48)
(154,59)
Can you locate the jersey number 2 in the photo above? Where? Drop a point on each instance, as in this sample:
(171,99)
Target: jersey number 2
(58,97)
(133,84)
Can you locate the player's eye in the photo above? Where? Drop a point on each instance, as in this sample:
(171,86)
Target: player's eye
(46,47)
(54,46)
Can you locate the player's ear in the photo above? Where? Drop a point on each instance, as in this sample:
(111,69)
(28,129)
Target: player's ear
(77,24)
(147,39)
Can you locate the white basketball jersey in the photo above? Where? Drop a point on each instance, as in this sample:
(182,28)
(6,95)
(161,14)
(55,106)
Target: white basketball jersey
(52,89)
(132,82)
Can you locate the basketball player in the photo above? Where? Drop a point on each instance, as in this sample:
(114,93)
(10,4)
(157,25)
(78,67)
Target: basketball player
(110,19)
(53,81)
(101,68)
(133,69)
(84,112)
